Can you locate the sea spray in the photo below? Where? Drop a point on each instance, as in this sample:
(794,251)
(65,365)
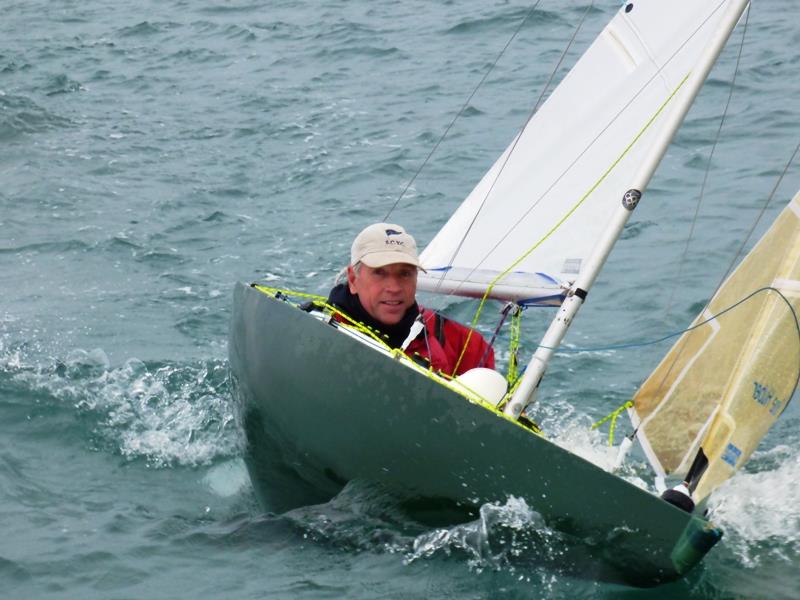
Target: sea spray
(167,413)
(759,509)
(503,532)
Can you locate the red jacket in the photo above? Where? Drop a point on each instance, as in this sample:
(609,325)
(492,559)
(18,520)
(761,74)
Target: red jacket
(444,341)
(441,344)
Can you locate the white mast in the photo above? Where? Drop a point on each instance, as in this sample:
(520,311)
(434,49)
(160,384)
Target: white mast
(525,393)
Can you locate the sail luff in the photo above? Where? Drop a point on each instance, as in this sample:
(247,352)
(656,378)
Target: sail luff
(688,88)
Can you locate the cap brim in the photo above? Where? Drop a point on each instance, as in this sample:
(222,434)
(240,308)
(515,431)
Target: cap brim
(381,259)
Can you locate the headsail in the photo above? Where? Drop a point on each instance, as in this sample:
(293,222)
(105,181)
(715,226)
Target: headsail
(723,384)
(528,228)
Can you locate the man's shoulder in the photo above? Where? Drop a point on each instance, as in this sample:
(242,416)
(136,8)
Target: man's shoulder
(338,295)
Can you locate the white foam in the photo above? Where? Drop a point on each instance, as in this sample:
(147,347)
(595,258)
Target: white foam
(572,430)
(228,478)
(762,509)
(167,414)
(482,539)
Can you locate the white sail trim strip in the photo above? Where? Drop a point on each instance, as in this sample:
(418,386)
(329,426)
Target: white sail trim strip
(795,205)
(788,287)
(649,454)
(689,457)
(523,288)
(639,424)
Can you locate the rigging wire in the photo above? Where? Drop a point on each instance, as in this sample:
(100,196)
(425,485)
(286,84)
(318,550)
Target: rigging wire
(555,227)
(674,334)
(521,258)
(701,195)
(735,259)
(733,262)
(590,144)
(722,280)
(510,151)
(463,108)
(758,218)
(631,345)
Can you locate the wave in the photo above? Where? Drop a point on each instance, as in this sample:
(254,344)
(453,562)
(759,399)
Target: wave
(48,247)
(62,84)
(357,50)
(166,413)
(760,509)
(20,115)
(13,573)
(507,19)
(506,539)
(147,28)
(365,517)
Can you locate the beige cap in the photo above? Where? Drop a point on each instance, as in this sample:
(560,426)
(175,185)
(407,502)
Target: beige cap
(384,244)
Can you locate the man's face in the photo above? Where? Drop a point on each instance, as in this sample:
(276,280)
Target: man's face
(386,293)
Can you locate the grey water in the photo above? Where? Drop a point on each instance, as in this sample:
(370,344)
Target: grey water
(154,153)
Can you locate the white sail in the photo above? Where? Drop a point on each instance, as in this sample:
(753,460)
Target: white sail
(529,227)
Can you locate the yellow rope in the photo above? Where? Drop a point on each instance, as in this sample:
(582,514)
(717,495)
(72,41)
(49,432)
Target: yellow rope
(569,213)
(513,345)
(397,353)
(440,378)
(274,290)
(613,416)
(321,302)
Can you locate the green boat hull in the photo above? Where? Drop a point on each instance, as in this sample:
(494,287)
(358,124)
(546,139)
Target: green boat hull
(320,408)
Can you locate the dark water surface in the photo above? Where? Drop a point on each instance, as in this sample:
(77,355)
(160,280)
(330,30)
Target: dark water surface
(154,153)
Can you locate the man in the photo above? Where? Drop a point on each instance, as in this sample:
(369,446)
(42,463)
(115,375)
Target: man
(381,293)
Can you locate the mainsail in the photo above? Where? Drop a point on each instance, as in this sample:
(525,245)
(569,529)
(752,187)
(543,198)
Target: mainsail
(528,228)
(725,382)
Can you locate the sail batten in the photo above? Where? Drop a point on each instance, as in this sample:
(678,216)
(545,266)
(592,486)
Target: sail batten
(576,157)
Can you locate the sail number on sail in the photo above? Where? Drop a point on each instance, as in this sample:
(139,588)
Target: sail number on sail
(766,397)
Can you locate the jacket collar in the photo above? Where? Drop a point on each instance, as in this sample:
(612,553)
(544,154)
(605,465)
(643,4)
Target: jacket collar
(394,335)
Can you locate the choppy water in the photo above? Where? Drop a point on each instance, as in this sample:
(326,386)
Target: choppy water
(154,153)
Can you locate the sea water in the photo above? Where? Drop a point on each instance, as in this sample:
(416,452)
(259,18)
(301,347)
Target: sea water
(154,153)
